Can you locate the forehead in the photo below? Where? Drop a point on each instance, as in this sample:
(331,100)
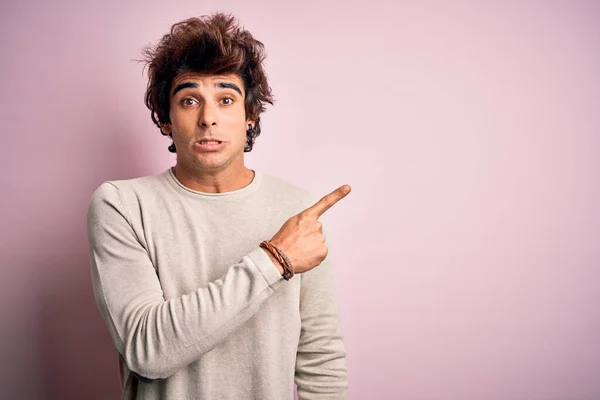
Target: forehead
(205,80)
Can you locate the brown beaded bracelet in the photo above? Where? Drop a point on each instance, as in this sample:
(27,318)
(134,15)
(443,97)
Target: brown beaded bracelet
(288,268)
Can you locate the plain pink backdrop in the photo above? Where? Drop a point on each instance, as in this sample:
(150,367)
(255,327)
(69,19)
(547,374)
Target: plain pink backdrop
(467,257)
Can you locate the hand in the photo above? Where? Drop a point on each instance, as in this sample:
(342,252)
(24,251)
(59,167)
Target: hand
(301,237)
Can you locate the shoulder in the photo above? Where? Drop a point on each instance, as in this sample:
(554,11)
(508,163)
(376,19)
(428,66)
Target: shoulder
(117,193)
(141,185)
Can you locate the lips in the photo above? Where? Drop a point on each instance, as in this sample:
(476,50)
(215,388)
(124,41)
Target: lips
(203,141)
(208,145)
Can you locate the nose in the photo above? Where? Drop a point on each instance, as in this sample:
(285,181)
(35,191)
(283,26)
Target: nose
(208,116)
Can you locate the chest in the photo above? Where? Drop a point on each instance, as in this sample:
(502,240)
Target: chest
(191,246)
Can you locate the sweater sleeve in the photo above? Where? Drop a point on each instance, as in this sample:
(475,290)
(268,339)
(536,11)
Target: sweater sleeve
(155,337)
(321,358)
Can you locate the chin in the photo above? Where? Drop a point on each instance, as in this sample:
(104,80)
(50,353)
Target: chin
(213,159)
(208,161)
(208,164)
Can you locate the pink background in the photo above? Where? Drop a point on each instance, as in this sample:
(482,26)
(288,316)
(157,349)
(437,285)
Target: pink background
(467,256)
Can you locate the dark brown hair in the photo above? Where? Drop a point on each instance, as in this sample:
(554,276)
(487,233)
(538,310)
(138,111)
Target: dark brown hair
(212,45)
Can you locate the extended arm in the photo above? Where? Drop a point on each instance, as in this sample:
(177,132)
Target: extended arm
(155,337)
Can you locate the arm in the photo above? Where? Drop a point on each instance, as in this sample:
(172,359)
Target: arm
(321,359)
(155,337)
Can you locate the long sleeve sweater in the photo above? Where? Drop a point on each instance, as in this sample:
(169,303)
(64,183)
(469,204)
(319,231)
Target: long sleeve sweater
(195,309)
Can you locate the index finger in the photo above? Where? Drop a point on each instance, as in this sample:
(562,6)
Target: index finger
(328,201)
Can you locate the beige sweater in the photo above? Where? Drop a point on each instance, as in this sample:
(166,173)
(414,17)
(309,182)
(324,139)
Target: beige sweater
(195,309)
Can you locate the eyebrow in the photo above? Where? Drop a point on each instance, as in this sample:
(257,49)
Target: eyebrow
(223,85)
(230,85)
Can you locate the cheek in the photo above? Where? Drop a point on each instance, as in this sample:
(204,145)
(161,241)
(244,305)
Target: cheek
(237,125)
(183,124)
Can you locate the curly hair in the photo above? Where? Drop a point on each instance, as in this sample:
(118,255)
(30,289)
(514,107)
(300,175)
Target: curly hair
(213,45)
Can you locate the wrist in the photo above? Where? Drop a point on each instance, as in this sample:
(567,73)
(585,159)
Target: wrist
(275,261)
(282,259)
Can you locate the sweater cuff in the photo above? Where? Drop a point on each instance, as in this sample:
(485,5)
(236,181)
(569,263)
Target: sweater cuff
(265,265)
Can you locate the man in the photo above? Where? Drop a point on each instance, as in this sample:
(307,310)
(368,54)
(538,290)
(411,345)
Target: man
(199,302)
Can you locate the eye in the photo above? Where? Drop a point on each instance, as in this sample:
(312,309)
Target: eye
(188,101)
(227,100)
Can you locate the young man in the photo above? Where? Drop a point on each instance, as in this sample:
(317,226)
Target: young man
(213,279)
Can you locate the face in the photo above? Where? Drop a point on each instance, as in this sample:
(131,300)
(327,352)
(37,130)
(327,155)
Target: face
(208,107)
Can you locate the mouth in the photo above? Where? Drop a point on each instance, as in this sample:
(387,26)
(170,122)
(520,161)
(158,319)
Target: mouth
(208,145)
(208,141)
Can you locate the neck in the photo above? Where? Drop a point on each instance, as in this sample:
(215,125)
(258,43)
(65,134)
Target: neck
(214,182)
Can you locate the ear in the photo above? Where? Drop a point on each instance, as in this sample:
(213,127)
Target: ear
(250,121)
(165,129)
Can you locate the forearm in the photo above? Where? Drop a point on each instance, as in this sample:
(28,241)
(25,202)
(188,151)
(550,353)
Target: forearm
(156,337)
(321,359)
(321,371)
(275,262)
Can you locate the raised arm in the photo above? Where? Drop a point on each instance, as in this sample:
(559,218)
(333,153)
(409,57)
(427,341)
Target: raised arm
(155,337)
